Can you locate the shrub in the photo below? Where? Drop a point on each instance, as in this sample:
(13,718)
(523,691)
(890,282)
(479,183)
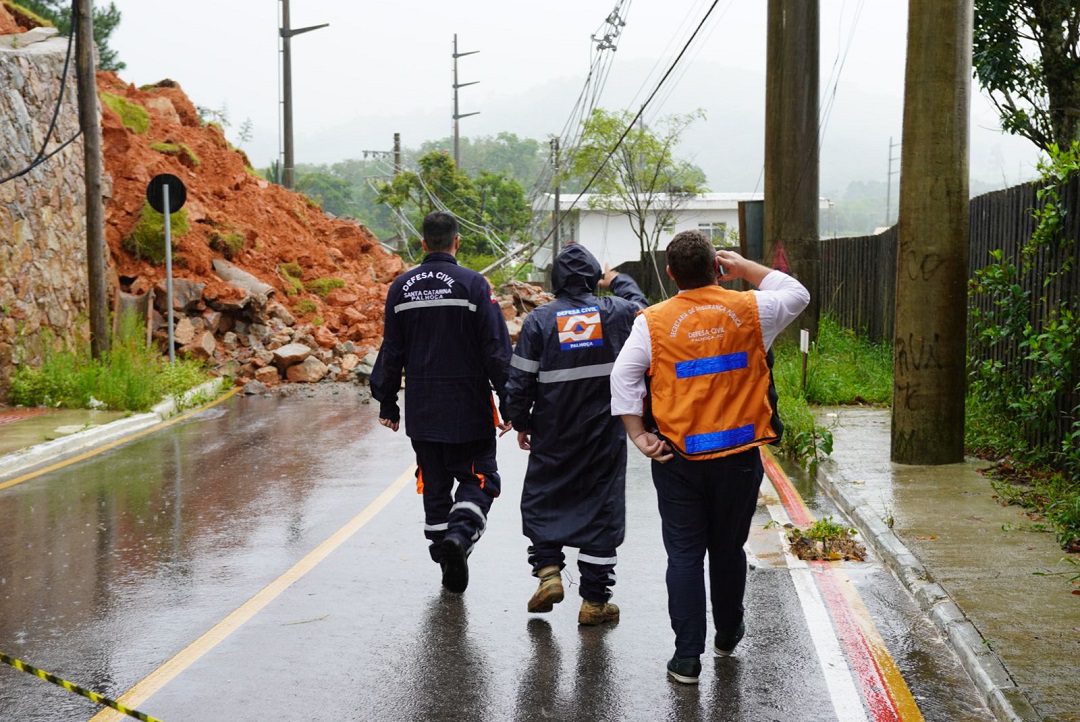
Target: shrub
(131,376)
(227,244)
(305,305)
(133,116)
(291,273)
(147,238)
(186,155)
(323,286)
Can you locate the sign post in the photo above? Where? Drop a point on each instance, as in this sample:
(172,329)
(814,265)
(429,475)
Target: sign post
(166,194)
(804,347)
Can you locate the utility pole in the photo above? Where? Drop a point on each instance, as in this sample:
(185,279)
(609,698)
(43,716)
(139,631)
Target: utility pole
(932,252)
(397,154)
(791,147)
(888,181)
(90,123)
(555,240)
(457,115)
(286,32)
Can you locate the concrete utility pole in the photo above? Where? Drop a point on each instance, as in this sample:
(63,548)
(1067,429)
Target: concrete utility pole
(286,32)
(457,115)
(888,181)
(791,147)
(931,277)
(90,123)
(397,154)
(555,240)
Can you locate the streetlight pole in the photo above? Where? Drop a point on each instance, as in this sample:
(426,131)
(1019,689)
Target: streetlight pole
(286,32)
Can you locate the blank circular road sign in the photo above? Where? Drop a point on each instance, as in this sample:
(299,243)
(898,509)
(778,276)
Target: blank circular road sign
(177,193)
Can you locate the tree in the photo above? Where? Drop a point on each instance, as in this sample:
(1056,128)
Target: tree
(58,12)
(1027,57)
(492,201)
(519,158)
(333,194)
(643,180)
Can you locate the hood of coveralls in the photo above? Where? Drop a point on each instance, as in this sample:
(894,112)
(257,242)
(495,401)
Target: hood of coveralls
(575,271)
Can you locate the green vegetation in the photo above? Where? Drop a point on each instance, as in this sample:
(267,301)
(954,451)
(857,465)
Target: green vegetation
(178,149)
(130,377)
(305,306)
(134,117)
(291,273)
(323,286)
(37,19)
(1013,409)
(228,244)
(842,369)
(147,238)
(825,540)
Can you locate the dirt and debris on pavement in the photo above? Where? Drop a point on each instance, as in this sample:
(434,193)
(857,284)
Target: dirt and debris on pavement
(825,541)
(260,267)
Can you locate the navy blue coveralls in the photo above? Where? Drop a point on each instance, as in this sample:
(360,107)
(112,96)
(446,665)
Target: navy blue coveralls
(444,329)
(575,486)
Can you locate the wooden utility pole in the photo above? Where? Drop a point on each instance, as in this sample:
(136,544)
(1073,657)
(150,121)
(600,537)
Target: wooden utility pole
(90,124)
(791,147)
(397,154)
(288,165)
(931,278)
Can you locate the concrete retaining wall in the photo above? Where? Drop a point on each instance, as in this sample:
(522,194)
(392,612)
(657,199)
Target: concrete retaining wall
(42,214)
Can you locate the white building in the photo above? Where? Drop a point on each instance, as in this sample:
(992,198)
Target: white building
(610,237)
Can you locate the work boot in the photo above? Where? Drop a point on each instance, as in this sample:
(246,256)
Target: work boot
(550,591)
(455,567)
(593,613)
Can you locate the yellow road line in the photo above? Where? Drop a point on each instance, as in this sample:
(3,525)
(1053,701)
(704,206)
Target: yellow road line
(113,444)
(220,631)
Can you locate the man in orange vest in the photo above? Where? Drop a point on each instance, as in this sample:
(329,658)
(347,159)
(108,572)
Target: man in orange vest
(704,355)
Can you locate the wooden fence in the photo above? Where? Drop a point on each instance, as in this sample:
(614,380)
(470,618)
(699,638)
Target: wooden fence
(859,274)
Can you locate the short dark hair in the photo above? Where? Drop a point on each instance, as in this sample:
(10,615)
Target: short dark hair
(692,260)
(439,229)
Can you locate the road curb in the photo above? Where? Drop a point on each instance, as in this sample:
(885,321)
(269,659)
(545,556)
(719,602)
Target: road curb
(26,460)
(985,668)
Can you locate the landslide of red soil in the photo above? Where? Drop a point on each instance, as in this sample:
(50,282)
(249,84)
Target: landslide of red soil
(279,226)
(8,26)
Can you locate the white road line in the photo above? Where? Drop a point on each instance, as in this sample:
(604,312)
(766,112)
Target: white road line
(838,678)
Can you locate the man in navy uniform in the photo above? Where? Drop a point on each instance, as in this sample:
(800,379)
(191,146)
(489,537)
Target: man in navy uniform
(444,329)
(559,400)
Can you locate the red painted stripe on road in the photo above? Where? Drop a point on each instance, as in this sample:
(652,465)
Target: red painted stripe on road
(793,503)
(13,415)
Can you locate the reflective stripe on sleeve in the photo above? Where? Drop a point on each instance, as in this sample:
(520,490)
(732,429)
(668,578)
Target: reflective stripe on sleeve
(524,364)
(581,372)
(435,302)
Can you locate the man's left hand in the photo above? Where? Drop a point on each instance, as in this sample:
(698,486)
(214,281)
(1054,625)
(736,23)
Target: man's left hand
(392,425)
(504,427)
(524,441)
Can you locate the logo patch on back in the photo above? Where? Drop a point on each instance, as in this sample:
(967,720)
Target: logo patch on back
(580,328)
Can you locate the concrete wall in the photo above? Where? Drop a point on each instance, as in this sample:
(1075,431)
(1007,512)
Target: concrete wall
(610,238)
(42,214)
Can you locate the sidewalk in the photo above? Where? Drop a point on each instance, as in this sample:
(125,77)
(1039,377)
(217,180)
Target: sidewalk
(951,542)
(24,427)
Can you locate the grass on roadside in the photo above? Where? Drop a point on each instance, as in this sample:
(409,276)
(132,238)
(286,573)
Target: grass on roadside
(130,377)
(842,368)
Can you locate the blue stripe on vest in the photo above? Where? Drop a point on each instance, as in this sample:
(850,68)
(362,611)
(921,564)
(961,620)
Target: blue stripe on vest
(710,365)
(717,440)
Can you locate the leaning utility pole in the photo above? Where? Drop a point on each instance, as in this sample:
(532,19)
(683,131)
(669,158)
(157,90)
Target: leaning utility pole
(791,147)
(286,32)
(90,124)
(458,116)
(931,270)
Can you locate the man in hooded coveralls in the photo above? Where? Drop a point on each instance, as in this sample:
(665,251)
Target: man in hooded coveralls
(559,402)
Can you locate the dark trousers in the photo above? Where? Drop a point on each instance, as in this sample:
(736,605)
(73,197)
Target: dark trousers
(706,506)
(461,513)
(597,567)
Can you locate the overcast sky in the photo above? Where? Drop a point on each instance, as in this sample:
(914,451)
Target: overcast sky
(384,66)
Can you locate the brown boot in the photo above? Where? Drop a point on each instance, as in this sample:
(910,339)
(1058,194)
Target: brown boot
(593,613)
(550,591)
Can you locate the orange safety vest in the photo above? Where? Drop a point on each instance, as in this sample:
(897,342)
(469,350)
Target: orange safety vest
(709,378)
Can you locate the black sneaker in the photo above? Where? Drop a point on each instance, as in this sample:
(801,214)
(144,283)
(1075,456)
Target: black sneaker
(684,669)
(724,646)
(455,567)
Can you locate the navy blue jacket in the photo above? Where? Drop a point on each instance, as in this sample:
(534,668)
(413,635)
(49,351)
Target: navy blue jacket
(444,329)
(559,392)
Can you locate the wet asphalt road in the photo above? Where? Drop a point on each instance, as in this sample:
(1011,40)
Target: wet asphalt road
(111,566)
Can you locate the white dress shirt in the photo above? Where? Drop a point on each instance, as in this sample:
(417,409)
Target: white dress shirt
(780,298)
